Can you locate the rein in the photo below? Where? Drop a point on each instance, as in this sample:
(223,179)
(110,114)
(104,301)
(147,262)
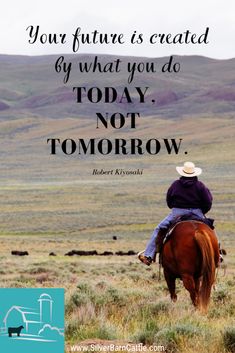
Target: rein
(217,273)
(160,266)
(222,266)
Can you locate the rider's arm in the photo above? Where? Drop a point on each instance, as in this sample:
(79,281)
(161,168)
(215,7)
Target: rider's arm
(206,198)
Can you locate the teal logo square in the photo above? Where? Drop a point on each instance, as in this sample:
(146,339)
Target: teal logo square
(32,320)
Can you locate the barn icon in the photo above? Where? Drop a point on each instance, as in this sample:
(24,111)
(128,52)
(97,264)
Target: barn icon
(32,320)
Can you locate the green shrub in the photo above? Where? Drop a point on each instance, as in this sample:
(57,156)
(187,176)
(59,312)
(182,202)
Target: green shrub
(38,269)
(154,309)
(230,283)
(74,330)
(229,339)
(114,296)
(84,287)
(187,330)
(173,337)
(101,285)
(168,338)
(79,299)
(221,295)
(71,328)
(105,331)
(160,308)
(147,334)
(224,310)
(101,296)
(135,277)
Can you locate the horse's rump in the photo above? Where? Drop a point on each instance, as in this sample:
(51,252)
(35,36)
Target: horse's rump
(192,254)
(180,247)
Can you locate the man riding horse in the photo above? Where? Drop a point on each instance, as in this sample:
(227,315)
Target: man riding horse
(186,196)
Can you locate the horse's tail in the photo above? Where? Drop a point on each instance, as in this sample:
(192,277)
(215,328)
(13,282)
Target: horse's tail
(208,267)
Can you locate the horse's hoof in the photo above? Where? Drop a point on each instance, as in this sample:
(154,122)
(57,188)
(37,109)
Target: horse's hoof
(174,298)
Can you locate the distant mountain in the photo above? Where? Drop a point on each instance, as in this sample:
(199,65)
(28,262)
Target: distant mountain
(30,85)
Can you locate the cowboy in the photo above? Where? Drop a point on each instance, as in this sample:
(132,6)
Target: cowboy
(186,196)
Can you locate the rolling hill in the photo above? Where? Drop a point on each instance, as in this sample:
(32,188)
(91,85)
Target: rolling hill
(197,104)
(30,85)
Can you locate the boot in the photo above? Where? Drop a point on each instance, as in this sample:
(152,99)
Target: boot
(147,260)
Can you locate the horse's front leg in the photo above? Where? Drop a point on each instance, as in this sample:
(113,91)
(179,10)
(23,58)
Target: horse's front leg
(170,280)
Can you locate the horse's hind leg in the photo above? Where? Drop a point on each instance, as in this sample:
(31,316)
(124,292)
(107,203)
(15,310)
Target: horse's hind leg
(189,284)
(197,290)
(170,280)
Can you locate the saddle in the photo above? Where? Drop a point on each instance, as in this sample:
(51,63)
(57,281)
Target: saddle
(164,234)
(193,217)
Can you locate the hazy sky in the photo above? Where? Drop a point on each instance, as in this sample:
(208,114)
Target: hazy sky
(122,16)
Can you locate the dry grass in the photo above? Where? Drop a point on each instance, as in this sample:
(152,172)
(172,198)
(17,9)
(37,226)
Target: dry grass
(55,209)
(118,298)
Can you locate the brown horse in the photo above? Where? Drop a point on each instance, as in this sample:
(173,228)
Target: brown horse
(191,254)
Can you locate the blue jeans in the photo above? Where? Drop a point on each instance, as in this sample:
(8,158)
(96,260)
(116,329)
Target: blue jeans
(165,223)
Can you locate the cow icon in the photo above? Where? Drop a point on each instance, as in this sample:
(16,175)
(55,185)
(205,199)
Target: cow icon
(17,330)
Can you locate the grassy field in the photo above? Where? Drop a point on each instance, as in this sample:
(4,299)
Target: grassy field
(56,205)
(118,299)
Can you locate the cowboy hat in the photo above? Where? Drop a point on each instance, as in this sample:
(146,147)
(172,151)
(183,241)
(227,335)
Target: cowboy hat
(189,170)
